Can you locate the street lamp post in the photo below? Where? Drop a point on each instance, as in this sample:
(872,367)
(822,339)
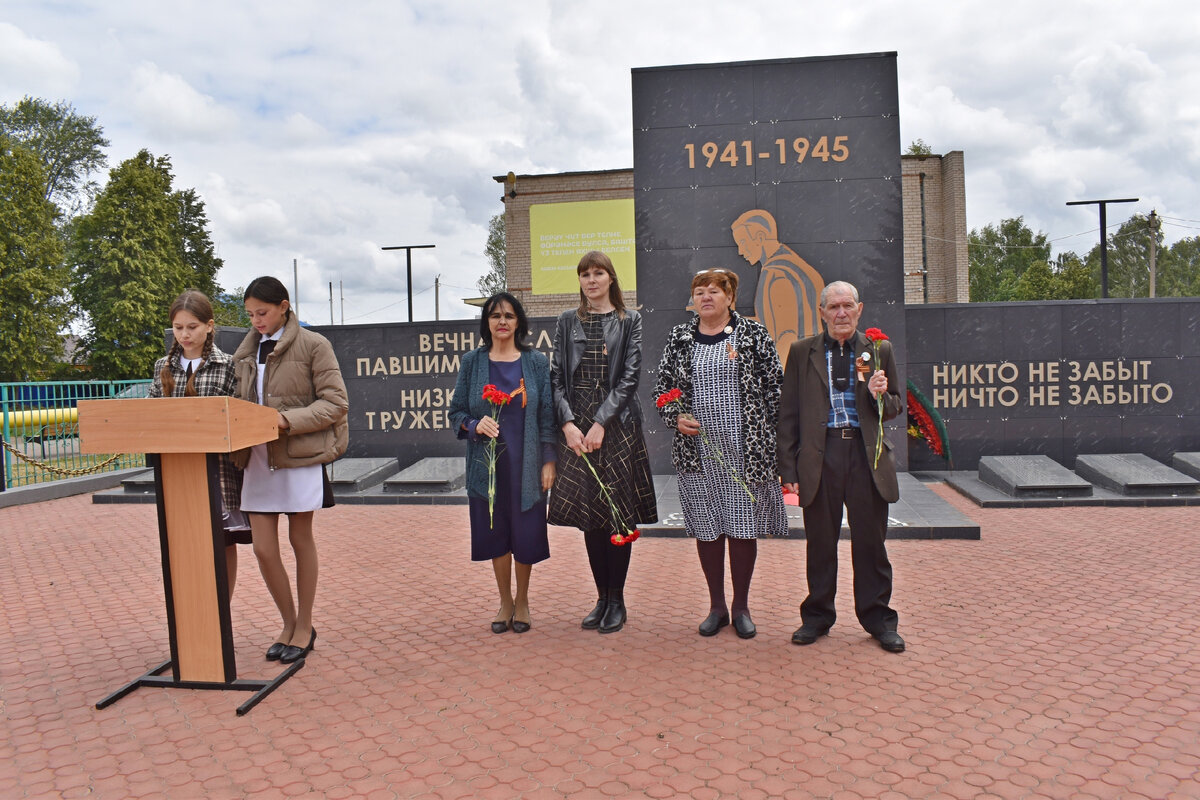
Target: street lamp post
(1103,235)
(409,248)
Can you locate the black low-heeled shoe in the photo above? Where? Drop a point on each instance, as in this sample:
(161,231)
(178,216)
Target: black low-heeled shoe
(275,651)
(744,626)
(713,623)
(291,653)
(521,627)
(501,626)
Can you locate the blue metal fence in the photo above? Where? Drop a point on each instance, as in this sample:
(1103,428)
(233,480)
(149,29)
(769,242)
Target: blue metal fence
(40,428)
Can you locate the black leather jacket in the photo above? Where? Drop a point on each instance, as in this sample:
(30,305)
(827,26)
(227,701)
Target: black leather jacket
(623,338)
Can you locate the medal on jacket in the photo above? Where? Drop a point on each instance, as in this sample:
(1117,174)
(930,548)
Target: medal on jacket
(605,350)
(729,351)
(862,365)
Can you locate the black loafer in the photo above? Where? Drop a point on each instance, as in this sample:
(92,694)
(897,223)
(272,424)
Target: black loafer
(275,651)
(291,653)
(500,627)
(744,626)
(521,627)
(890,641)
(807,634)
(713,623)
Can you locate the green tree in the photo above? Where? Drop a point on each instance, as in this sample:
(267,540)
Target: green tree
(69,145)
(33,279)
(199,254)
(1128,259)
(130,263)
(1179,269)
(999,255)
(919,148)
(496,278)
(229,309)
(1073,279)
(1036,283)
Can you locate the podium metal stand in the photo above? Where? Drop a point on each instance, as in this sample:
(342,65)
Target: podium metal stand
(187,433)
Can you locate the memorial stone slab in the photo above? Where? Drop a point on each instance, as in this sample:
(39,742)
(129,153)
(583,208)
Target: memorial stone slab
(429,475)
(1031,476)
(1134,474)
(349,475)
(1187,463)
(141,483)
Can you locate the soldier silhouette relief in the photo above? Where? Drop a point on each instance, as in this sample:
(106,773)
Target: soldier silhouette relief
(789,288)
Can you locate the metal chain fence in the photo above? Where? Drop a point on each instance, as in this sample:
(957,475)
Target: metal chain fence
(40,427)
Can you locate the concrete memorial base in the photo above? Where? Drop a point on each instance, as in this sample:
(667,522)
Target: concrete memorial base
(1121,479)
(919,514)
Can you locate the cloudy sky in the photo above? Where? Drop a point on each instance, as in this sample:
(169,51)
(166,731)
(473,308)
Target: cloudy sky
(323,131)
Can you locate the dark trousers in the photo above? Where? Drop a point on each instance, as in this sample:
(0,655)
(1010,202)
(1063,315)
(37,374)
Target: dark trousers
(846,481)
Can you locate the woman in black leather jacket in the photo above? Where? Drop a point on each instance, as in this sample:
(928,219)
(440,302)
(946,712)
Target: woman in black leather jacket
(594,372)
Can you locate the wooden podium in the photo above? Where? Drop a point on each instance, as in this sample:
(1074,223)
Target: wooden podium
(187,433)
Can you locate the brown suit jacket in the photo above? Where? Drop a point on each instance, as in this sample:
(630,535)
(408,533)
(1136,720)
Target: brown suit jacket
(804,414)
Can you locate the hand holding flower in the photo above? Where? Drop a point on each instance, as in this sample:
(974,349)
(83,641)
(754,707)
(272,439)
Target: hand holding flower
(686,424)
(487,426)
(594,438)
(574,438)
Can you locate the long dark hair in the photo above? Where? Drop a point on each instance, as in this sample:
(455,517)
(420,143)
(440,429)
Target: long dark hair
(522,331)
(199,306)
(268,290)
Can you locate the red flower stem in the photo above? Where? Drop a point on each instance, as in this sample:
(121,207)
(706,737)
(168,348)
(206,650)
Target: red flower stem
(720,457)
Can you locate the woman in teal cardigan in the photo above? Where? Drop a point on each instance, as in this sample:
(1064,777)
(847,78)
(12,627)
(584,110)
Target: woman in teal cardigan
(510,527)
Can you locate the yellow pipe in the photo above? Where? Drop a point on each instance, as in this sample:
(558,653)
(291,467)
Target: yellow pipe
(19,421)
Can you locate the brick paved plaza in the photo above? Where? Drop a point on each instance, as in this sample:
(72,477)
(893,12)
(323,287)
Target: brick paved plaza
(1057,657)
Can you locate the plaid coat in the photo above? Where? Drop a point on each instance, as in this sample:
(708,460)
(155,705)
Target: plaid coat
(215,378)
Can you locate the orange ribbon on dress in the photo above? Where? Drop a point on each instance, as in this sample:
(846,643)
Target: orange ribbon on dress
(520,390)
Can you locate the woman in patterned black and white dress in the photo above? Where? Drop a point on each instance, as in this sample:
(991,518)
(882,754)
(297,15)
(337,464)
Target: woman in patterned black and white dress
(728,371)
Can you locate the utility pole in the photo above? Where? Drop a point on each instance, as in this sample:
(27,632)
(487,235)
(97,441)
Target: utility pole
(295,290)
(1154,223)
(437,306)
(331,302)
(408,248)
(342,296)
(1103,235)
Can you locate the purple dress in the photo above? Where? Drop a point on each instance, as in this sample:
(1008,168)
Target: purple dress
(522,533)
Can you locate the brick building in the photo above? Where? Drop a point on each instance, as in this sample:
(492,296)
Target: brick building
(934,199)
(934,212)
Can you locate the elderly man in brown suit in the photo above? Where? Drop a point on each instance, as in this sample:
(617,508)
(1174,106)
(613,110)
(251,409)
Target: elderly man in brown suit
(828,429)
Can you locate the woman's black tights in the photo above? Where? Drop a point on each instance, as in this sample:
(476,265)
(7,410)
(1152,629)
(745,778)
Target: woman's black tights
(609,562)
(742,555)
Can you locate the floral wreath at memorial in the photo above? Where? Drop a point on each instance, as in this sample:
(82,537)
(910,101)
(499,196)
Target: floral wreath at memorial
(926,424)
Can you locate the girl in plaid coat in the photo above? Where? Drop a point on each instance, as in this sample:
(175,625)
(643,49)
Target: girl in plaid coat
(195,367)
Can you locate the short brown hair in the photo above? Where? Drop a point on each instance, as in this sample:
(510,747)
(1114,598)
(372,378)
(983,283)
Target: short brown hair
(724,279)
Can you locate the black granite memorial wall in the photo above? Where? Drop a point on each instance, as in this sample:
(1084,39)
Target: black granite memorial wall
(785,172)
(1059,379)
